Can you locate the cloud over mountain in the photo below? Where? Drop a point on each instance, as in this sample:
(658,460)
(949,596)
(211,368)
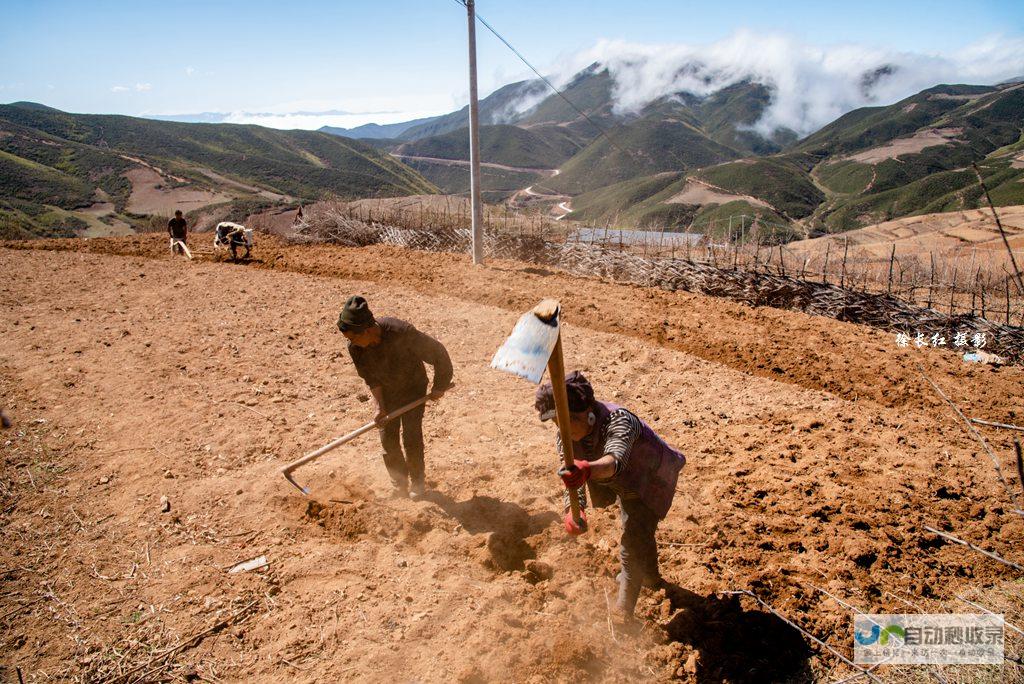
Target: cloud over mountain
(811,85)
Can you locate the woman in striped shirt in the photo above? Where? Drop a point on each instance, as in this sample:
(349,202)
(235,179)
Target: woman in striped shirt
(619,458)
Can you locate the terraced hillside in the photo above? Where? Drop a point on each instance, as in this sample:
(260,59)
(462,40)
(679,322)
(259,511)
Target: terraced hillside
(872,165)
(63,174)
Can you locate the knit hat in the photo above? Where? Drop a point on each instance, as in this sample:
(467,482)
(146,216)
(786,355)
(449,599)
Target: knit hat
(581,396)
(356,316)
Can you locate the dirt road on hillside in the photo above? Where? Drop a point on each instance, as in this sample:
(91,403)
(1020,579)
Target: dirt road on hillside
(815,457)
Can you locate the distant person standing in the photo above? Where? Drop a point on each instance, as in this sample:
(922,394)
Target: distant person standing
(178,230)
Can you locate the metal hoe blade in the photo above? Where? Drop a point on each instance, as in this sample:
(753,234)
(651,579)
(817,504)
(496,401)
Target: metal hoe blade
(526,351)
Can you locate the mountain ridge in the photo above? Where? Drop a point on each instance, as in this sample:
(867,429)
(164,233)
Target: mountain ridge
(56,167)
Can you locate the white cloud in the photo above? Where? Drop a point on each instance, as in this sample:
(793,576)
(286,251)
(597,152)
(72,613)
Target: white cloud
(284,117)
(138,87)
(313,119)
(811,85)
(189,71)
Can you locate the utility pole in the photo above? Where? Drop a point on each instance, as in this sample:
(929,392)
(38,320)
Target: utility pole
(474,141)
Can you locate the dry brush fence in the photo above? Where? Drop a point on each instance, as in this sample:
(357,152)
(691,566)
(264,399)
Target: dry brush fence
(605,259)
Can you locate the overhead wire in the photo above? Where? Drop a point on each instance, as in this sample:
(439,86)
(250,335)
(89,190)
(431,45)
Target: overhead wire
(549,84)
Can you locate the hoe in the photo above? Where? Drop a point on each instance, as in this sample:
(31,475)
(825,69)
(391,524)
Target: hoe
(313,455)
(536,343)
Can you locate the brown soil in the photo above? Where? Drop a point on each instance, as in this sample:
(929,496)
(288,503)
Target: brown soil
(150,195)
(910,145)
(816,453)
(962,242)
(697,192)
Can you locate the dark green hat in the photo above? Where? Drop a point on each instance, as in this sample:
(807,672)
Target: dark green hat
(356,316)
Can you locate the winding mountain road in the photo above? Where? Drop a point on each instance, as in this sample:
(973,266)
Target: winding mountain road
(463,162)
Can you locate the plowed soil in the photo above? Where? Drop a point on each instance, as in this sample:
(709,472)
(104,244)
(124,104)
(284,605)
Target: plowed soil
(816,454)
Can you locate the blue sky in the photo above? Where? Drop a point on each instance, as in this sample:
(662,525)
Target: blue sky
(387,61)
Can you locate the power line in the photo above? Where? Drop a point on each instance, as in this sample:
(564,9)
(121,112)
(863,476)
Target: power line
(543,78)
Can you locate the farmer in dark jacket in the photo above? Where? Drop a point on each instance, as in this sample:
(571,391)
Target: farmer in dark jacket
(389,355)
(177,228)
(618,457)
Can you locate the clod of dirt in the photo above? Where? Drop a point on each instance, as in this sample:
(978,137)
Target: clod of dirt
(692,662)
(346,520)
(471,675)
(508,551)
(537,571)
(861,553)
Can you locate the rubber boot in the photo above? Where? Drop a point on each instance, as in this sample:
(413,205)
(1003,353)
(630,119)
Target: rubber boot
(628,595)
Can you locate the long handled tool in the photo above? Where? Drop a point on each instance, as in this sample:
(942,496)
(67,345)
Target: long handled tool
(176,242)
(313,455)
(536,343)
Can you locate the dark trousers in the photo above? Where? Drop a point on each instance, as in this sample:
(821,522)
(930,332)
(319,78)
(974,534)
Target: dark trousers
(407,466)
(638,550)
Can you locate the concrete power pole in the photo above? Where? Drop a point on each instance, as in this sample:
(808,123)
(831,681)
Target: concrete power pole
(474,142)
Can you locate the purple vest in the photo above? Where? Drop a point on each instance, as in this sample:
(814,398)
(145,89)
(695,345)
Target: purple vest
(652,471)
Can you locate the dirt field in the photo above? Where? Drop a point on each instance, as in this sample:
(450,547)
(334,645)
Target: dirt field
(816,453)
(909,145)
(957,248)
(151,196)
(943,234)
(696,192)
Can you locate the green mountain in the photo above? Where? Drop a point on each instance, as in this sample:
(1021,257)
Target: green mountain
(870,165)
(914,156)
(649,145)
(498,107)
(539,148)
(675,133)
(683,162)
(61,173)
(372,131)
(513,157)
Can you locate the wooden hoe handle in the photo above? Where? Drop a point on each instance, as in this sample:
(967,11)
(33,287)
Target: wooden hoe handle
(313,455)
(546,311)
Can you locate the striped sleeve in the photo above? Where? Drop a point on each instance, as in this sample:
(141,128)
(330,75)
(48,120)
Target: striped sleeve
(581,492)
(621,432)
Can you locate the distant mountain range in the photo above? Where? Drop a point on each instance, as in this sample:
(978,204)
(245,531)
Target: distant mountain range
(684,160)
(681,161)
(72,174)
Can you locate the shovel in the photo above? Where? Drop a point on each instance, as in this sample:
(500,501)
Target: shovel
(536,343)
(313,455)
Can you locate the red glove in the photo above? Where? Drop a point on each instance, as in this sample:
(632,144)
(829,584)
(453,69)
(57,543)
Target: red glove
(571,527)
(575,477)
